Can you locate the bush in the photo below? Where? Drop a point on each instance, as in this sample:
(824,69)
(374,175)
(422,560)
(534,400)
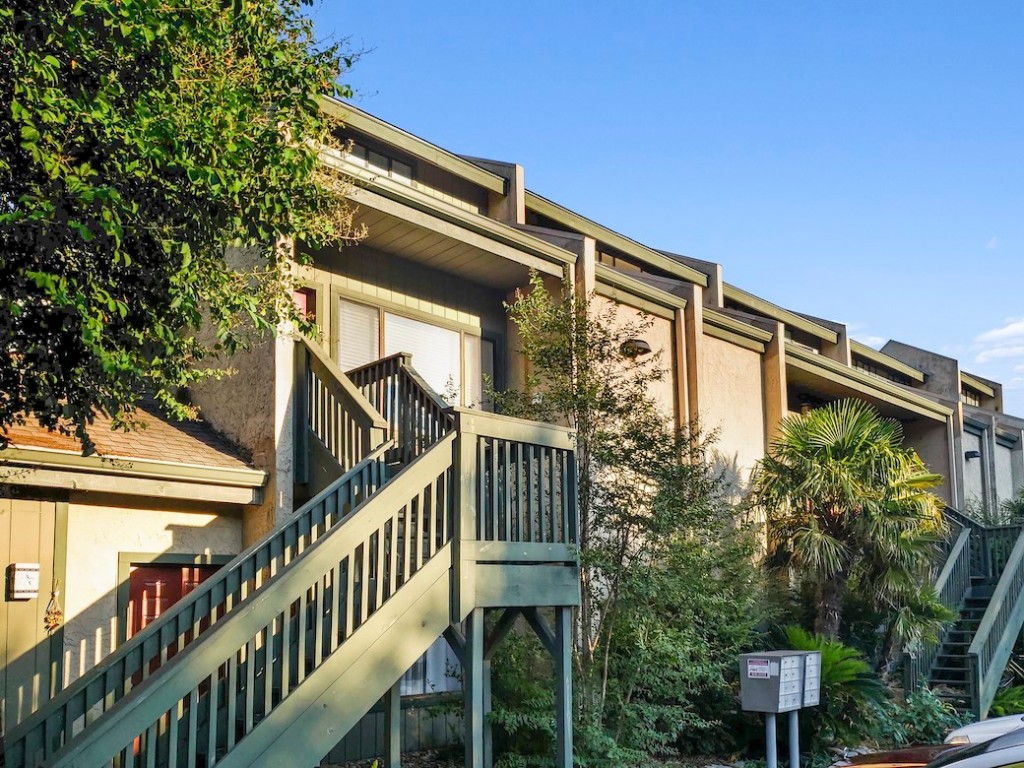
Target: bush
(1008,701)
(851,693)
(923,718)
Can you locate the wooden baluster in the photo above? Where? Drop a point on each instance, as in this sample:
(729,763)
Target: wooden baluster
(172,736)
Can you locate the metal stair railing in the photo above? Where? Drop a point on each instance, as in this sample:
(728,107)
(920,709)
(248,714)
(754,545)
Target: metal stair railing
(1000,626)
(952,585)
(77,707)
(416,415)
(203,703)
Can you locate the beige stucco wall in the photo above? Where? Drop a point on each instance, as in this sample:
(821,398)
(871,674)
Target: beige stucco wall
(1004,473)
(660,336)
(931,441)
(974,484)
(96,536)
(730,383)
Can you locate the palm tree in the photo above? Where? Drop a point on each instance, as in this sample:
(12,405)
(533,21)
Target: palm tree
(845,501)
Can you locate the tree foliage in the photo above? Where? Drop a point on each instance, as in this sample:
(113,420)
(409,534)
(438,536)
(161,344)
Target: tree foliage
(139,138)
(669,591)
(848,507)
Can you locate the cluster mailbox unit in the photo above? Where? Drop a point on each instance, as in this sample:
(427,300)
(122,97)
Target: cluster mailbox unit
(780,681)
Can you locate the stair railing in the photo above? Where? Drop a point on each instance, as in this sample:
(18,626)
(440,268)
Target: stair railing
(77,706)
(1000,626)
(952,586)
(202,703)
(416,415)
(331,410)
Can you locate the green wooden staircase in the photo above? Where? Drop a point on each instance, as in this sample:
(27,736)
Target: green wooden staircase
(428,517)
(982,581)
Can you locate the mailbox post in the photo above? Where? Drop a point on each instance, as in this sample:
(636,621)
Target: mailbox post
(780,681)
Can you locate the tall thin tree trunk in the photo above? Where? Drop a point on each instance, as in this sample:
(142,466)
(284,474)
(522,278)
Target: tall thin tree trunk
(830,605)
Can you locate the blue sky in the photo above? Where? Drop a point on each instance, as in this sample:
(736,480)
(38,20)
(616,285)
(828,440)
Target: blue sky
(861,161)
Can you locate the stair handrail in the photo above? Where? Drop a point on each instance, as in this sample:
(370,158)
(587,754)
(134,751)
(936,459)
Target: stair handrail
(195,614)
(333,410)
(951,586)
(996,635)
(416,415)
(362,551)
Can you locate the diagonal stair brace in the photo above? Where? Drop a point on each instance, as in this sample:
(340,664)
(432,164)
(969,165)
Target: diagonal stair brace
(330,702)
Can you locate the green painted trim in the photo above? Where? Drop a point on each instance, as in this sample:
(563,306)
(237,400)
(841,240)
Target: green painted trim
(517,552)
(725,322)
(885,361)
(415,146)
(585,226)
(125,466)
(865,383)
(636,292)
(483,424)
(632,300)
(734,338)
(371,189)
(1007,439)
(510,585)
(976,384)
(394,308)
(766,308)
(125,560)
(60,574)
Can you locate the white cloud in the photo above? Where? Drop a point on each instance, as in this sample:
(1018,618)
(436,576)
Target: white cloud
(1013,329)
(873,341)
(993,244)
(999,352)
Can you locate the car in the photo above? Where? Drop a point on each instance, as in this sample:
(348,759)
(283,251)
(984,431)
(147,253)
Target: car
(908,757)
(985,730)
(1006,751)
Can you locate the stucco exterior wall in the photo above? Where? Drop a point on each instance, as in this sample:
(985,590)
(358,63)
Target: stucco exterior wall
(1004,473)
(242,407)
(931,441)
(660,335)
(731,386)
(97,534)
(974,484)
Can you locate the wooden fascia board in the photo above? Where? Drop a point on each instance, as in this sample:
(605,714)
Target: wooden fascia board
(721,326)
(387,196)
(602,234)
(883,360)
(628,290)
(131,467)
(864,383)
(791,319)
(976,384)
(40,477)
(413,145)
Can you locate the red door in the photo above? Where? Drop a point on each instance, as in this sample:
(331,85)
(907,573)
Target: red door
(152,589)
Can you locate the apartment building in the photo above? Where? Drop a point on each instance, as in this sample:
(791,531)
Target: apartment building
(307,440)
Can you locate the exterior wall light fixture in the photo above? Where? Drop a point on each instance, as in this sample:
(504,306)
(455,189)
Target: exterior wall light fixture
(633,348)
(972,455)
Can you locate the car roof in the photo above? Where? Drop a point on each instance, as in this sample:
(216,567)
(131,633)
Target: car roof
(1014,740)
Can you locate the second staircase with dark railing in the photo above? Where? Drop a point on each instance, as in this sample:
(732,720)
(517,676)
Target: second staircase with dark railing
(982,582)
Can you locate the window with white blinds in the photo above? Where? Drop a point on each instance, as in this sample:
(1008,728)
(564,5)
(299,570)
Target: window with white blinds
(359,334)
(436,353)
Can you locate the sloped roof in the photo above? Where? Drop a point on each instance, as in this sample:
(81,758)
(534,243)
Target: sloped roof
(185,442)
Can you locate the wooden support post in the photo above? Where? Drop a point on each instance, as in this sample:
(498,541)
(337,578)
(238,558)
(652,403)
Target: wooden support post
(393,726)
(563,691)
(486,715)
(473,689)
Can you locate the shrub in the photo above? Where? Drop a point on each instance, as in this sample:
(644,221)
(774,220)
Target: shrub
(849,692)
(923,718)
(1008,701)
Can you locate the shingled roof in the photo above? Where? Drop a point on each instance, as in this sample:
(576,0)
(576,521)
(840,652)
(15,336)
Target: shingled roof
(180,442)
